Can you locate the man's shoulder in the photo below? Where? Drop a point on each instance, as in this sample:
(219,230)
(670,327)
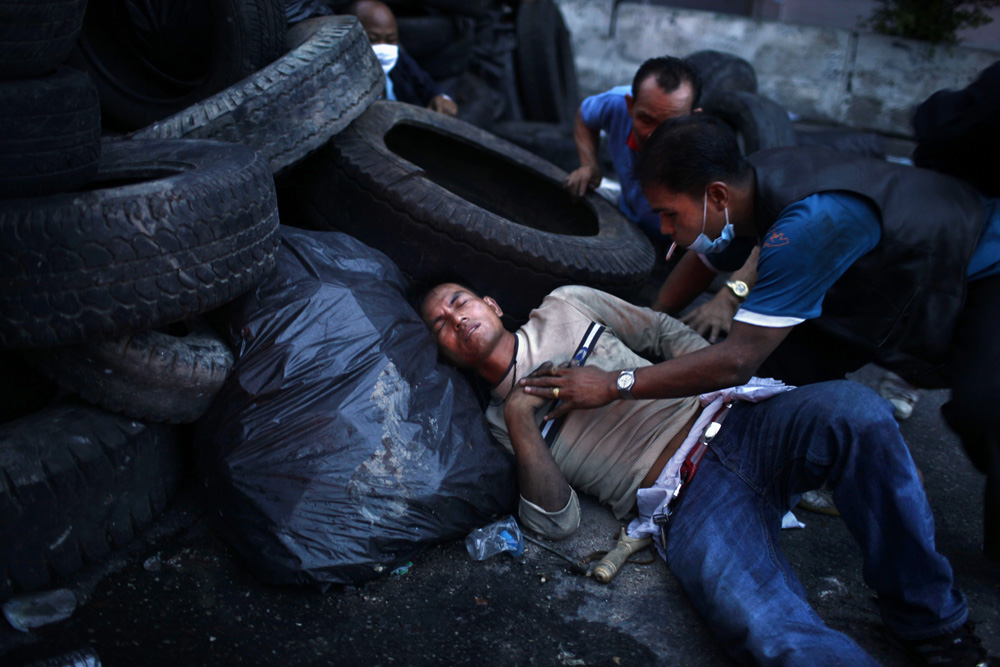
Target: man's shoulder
(576,293)
(610,101)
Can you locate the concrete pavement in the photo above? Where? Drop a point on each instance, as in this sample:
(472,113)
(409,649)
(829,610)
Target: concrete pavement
(178,595)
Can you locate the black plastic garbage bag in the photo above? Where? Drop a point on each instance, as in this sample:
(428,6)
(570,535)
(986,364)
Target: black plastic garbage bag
(339,447)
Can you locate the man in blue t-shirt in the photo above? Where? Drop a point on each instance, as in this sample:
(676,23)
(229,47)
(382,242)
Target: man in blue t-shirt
(662,88)
(860,261)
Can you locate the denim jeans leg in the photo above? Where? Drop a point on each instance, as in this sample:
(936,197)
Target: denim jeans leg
(723,548)
(844,433)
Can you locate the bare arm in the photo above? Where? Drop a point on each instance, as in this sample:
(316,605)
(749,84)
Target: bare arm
(539,477)
(729,363)
(716,316)
(588,175)
(688,279)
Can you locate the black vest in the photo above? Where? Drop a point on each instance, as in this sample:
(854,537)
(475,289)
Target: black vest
(901,300)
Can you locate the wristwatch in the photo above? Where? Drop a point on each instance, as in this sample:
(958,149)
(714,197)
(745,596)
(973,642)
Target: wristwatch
(625,381)
(739,288)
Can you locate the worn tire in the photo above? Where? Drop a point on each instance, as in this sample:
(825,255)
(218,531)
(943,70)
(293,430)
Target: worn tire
(550,141)
(438,195)
(75,481)
(479,103)
(546,72)
(455,57)
(38,35)
(155,376)
(150,66)
(294,105)
(425,35)
(461,7)
(758,121)
(50,133)
(23,389)
(195,225)
(722,72)
(869,144)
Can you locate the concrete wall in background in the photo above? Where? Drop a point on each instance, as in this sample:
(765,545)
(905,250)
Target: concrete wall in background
(846,14)
(824,75)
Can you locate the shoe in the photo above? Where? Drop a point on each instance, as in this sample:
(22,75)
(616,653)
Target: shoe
(820,501)
(900,393)
(961,648)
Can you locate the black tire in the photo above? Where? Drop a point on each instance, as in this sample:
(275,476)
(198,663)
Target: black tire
(75,481)
(549,141)
(461,7)
(50,133)
(722,72)
(478,103)
(148,66)
(151,375)
(424,36)
(84,657)
(868,144)
(23,389)
(294,105)
(455,57)
(438,195)
(546,72)
(37,36)
(758,121)
(179,228)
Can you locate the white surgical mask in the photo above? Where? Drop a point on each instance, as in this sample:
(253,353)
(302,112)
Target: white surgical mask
(387,55)
(703,245)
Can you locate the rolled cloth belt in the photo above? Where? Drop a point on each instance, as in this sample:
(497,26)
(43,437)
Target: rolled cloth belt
(688,469)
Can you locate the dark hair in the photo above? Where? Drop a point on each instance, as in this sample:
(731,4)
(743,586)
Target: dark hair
(421,288)
(686,154)
(670,73)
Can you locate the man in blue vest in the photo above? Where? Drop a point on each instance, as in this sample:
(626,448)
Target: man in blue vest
(860,261)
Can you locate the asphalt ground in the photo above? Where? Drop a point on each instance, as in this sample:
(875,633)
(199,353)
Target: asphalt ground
(179,596)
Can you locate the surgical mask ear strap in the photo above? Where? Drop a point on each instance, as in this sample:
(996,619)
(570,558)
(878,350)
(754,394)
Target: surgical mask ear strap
(726,211)
(704,211)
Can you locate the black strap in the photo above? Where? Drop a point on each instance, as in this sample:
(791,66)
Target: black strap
(551,428)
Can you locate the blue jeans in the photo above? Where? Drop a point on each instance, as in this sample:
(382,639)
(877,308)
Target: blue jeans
(723,542)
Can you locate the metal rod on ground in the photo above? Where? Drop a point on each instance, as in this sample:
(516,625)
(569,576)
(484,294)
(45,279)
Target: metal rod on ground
(575,565)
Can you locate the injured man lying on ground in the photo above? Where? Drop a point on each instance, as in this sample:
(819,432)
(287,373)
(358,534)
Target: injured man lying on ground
(769,443)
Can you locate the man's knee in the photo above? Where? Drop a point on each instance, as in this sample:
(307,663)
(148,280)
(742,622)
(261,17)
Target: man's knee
(847,421)
(848,404)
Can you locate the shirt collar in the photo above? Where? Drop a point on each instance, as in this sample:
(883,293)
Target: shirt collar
(630,142)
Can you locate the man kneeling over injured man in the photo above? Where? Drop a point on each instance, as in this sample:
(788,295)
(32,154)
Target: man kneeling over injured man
(721,540)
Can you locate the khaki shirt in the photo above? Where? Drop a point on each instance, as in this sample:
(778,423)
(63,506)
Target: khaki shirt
(604,451)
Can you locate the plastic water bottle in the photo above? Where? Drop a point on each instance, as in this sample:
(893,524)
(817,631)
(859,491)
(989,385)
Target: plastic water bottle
(503,535)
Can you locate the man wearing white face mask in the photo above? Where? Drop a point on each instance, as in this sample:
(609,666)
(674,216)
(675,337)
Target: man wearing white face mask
(861,261)
(405,80)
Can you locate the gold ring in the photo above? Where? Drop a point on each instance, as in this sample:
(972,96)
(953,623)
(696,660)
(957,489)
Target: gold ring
(555,393)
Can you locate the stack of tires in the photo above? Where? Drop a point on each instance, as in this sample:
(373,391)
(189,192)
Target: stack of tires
(138,199)
(117,254)
(729,92)
(544,95)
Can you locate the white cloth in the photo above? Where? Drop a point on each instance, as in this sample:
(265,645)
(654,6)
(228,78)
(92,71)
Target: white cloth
(652,501)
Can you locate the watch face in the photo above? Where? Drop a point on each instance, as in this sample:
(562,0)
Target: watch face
(739,288)
(625,381)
